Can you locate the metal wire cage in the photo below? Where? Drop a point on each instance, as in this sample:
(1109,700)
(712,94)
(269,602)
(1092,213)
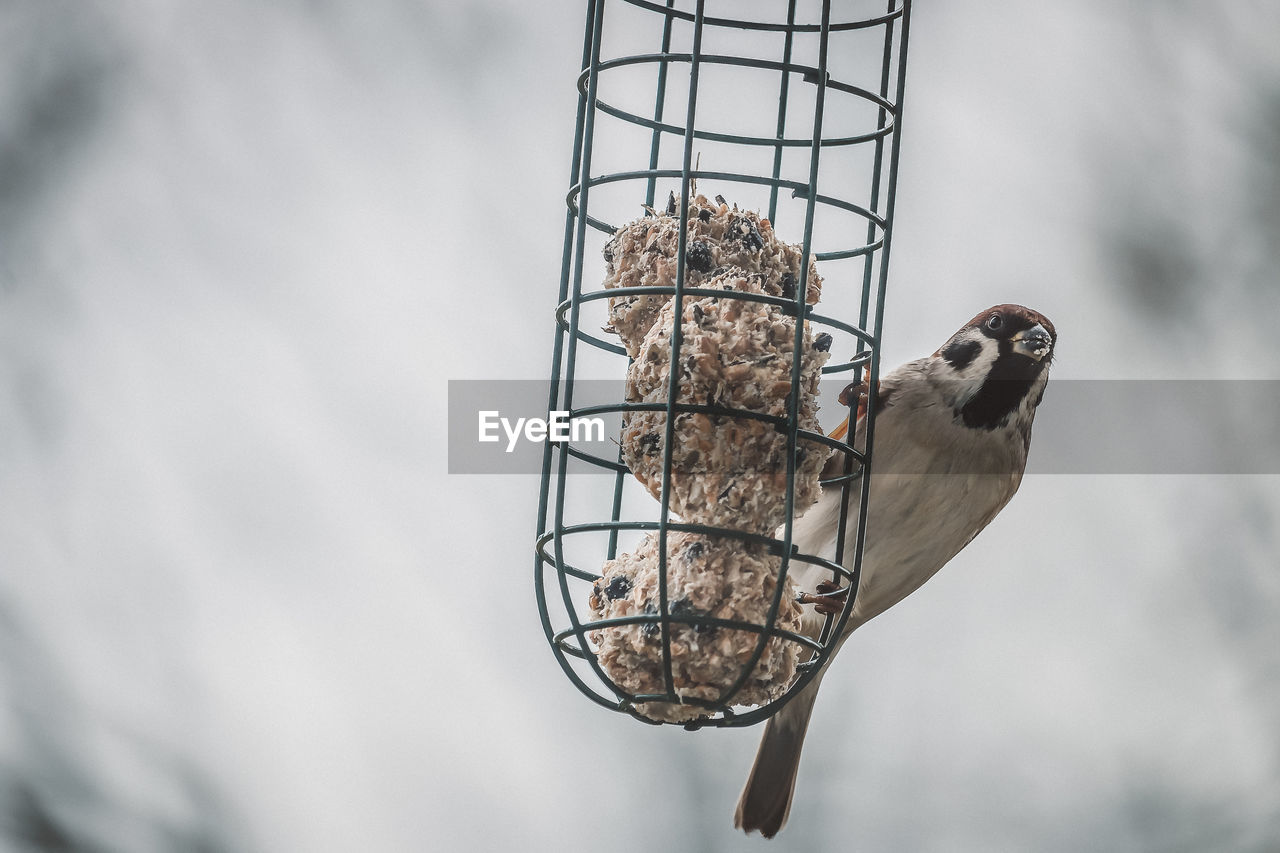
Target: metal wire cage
(751,81)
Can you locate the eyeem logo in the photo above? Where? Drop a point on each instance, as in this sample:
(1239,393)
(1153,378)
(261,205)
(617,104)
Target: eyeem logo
(507,426)
(559,427)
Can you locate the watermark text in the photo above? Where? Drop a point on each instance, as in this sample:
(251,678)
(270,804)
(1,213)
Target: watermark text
(558,427)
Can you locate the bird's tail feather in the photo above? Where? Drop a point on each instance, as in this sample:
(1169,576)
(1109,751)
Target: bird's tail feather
(766,798)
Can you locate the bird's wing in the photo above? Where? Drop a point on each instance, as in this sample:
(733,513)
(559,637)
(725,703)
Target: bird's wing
(855,395)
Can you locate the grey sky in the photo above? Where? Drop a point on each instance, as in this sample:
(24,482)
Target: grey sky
(243,606)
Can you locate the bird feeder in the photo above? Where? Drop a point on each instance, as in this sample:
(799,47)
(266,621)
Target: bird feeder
(788,116)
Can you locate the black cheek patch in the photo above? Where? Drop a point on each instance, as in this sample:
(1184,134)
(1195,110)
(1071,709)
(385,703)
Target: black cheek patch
(961,354)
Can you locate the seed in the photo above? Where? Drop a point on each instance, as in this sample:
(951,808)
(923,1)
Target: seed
(788,285)
(618,587)
(699,257)
(745,230)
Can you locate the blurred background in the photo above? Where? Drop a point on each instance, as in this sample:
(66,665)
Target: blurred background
(243,607)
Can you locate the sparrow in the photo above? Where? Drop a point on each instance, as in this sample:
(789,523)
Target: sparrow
(951,437)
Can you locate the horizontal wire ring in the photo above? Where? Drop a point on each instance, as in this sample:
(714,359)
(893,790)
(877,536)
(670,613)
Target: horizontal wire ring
(765,26)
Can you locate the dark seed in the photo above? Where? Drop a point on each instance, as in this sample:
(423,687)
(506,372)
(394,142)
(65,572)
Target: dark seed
(698,313)
(650,630)
(682,607)
(705,214)
(671,204)
(607,251)
(618,587)
(699,257)
(788,285)
(694,551)
(720,200)
(745,230)
(649,443)
(725,493)
(822,343)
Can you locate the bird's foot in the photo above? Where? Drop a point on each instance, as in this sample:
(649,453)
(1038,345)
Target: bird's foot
(829,599)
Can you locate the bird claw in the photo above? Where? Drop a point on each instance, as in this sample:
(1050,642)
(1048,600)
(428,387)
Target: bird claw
(829,599)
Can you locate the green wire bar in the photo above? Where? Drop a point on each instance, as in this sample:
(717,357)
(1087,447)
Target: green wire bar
(797,55)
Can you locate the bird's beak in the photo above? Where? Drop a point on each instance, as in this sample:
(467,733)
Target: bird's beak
(1034,343)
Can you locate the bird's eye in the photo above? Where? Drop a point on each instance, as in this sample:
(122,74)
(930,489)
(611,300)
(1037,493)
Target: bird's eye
(994,322)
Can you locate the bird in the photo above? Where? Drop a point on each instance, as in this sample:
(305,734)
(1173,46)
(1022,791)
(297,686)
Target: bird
(952,433)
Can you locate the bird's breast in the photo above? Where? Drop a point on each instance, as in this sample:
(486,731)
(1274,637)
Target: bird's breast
(931,492)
